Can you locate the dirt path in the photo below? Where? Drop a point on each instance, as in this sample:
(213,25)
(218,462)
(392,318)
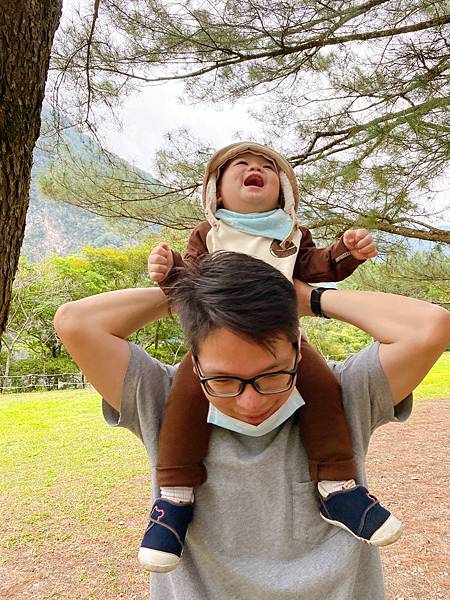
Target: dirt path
(408,469)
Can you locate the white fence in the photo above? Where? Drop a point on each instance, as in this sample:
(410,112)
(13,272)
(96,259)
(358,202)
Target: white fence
(42,381)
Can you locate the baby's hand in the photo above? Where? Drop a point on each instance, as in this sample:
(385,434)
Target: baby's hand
(160,262)
(360,243)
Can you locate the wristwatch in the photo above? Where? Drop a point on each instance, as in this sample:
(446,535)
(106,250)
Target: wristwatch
(315,301)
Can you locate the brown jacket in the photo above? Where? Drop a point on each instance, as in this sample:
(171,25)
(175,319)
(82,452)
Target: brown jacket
(313,265)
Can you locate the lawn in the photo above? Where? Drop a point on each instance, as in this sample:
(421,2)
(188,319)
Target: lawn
(57,442)
(72,490)
(63,475)
(437,383)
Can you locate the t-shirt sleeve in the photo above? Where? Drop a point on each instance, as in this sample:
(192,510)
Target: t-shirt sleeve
(367,396)
(146,386)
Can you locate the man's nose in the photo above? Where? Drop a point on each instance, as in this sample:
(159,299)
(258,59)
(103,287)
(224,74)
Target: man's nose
(250,400)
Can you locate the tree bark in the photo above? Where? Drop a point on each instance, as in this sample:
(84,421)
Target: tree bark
(27,29)
(7,366)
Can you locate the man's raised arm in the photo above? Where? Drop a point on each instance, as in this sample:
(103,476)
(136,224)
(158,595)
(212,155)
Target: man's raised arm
(94,329)
(413,333)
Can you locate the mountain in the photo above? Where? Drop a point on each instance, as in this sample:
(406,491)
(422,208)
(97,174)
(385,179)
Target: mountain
(54,227)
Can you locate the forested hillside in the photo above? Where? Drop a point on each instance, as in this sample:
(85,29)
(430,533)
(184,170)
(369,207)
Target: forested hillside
(56,227)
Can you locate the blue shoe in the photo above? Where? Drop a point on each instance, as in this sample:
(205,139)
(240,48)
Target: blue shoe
(163,542)
(361,514)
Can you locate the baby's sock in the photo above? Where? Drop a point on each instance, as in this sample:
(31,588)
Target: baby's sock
(178,494)
(328,487)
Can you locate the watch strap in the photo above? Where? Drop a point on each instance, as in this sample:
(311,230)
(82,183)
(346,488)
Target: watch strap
(315,301)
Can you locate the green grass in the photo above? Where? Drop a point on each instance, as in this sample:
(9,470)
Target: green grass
(60,463)
(437,383)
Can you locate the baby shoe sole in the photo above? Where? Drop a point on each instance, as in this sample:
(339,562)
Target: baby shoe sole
(157,561)
(388,533)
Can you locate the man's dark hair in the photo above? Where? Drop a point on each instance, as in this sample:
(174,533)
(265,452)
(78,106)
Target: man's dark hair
(239,293)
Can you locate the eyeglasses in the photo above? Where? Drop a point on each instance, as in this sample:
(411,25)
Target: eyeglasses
(223,386)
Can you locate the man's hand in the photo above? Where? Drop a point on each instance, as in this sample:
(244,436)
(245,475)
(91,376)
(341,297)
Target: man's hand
(360,243)
(160,262)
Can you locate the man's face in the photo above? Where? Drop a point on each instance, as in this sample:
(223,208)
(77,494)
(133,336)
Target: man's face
(224,353)
(249,184)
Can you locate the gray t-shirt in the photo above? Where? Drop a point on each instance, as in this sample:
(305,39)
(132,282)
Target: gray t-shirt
(256,532)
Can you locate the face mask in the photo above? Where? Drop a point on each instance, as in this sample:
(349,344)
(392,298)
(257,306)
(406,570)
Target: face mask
(271,224)
(285,411)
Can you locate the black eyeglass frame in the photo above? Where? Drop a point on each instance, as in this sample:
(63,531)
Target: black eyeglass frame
(244,382)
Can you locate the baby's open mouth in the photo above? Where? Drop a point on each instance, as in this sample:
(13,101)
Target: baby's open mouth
(254,179)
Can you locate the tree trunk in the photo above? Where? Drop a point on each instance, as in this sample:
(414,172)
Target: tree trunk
(26,36)
(8,363)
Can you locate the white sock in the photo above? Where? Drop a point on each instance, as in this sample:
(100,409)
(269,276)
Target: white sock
(328,487)
(178,494)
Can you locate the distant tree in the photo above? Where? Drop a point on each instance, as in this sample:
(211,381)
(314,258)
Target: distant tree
(37,293)
(424,275)
(356,93)
(26,36)
(20,319)
(40,288)
(334,339)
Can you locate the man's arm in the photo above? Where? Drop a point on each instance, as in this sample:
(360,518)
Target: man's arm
(94,329)
(413,334)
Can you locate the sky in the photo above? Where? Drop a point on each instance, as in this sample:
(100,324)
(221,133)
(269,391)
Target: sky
(149,115)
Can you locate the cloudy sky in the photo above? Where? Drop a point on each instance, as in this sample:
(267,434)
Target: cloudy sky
(148,116)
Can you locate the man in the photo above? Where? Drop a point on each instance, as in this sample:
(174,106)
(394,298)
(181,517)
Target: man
(256,531)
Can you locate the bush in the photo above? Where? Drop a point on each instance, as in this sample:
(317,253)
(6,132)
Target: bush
(334,339)
(33,364)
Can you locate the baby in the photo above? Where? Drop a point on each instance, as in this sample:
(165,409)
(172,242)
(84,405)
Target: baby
(251,196)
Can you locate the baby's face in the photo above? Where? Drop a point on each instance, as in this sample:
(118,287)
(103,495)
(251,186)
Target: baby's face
(249,184)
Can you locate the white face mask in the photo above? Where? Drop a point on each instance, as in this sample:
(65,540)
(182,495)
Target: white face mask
(285,411)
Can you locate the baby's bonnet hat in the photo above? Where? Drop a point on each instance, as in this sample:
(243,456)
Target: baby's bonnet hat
(288,180)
